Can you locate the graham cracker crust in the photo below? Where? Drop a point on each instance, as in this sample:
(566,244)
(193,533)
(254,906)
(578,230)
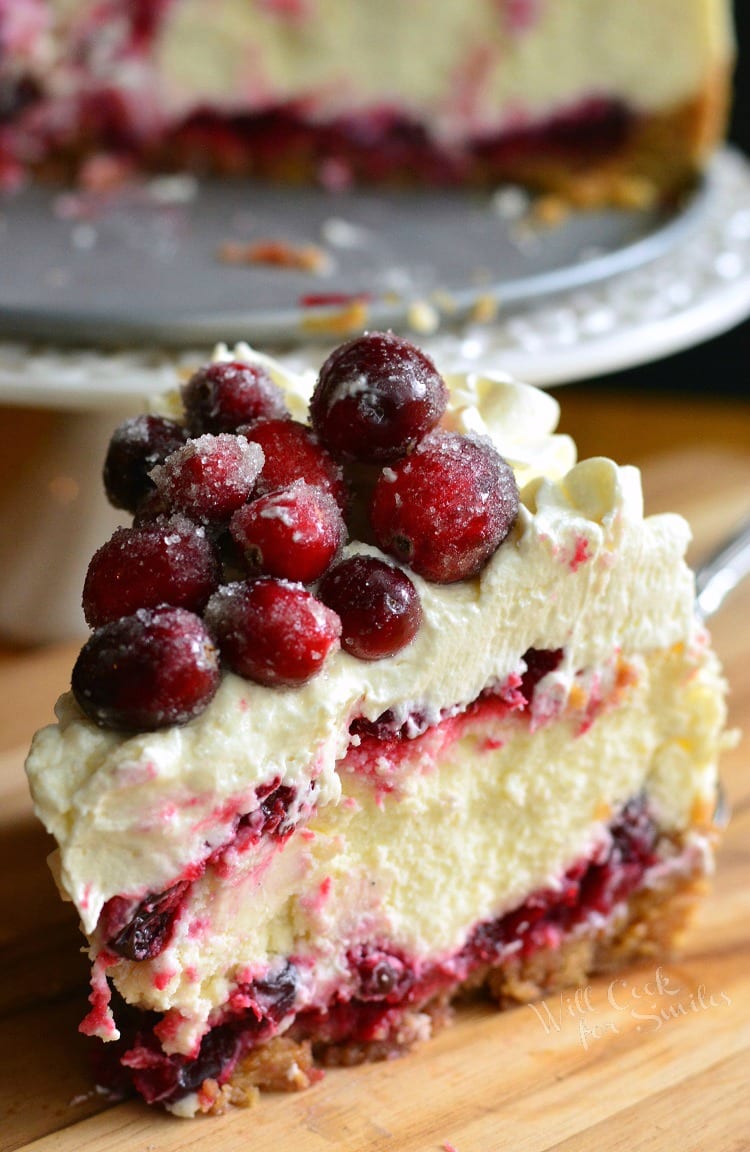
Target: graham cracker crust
(651,924)
(659,159)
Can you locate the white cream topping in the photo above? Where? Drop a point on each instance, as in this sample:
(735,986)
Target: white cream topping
(581,570)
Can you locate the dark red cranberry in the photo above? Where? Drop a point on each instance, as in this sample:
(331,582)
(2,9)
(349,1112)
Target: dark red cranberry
(271,631)
(219,397)
(146,671)
(377,603)
(633,849)
(271,819)
(292,452)
(209,478)
(274,811)
(163,1078)
(446,507)
(376,397)
(137,446)
(275,995)
(539,662)
(387,726)
(294,533)
(380,975)
(168,562)
(152,507)
(635,834)
(148,931)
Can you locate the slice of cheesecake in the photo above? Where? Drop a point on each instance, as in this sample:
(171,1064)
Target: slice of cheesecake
(594,99)
(475,751)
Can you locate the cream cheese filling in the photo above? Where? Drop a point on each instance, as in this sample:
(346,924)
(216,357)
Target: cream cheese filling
(462,66)
(464,69)
(468,832)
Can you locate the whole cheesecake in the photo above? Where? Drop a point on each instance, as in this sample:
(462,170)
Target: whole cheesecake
(306,790)
(594,99)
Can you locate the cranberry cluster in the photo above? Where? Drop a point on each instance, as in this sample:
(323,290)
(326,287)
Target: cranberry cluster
(233,557)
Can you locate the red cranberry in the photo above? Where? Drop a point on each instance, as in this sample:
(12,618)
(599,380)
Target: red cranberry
(275,995)
(271,631)
(153,506)
(209,478)
(137,446)
(539,662)
(293,533)
(219,397)
(147,671)
(378,605)
(273,811)
(376,397)
(380,975)
(168,562)
(292,452)
(163,1078)
(446,507)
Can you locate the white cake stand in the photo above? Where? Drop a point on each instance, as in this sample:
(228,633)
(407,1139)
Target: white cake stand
(56,514)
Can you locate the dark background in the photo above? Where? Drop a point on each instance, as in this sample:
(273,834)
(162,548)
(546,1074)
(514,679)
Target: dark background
(723,364)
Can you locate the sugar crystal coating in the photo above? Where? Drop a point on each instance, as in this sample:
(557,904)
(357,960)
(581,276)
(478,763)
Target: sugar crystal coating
(170,561)
(221,396)
(272,631)
(445,508)
(376,397)
(152,669)
(209,477)
(293,533)
(136,446)
(292,452)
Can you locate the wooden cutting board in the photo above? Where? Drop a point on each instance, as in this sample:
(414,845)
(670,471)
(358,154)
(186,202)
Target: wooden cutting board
(658,1059)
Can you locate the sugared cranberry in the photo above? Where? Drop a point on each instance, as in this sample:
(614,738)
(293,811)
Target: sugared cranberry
(137,446)
(209,478)
(147,932)
(271,631)
(146,671)
(377,603)
(376,397)
(168,562)
(446,507)
(219,397)
(292,452)
(293,533)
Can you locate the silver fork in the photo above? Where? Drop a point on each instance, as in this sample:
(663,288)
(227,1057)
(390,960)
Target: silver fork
(714,580)
(722,572)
